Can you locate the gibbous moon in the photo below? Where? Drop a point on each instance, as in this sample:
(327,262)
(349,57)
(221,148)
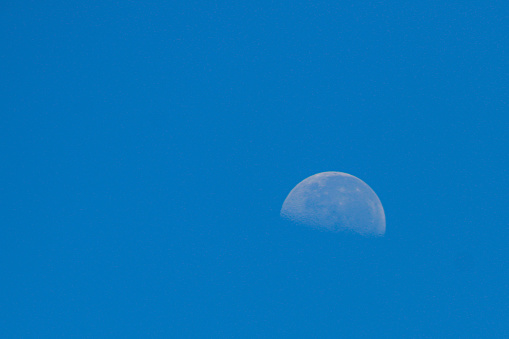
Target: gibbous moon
(335,201)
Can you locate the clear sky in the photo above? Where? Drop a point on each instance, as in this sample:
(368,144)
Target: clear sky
(147,147)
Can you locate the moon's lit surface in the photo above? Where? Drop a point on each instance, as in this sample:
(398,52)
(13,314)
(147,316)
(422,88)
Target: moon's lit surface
(335,201)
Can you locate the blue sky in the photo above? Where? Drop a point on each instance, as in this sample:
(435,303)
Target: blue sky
(147,148)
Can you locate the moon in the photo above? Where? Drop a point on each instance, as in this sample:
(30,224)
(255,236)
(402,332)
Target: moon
(335,201)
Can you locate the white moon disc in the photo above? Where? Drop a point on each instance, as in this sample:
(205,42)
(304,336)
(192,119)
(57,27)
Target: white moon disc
(335,201)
